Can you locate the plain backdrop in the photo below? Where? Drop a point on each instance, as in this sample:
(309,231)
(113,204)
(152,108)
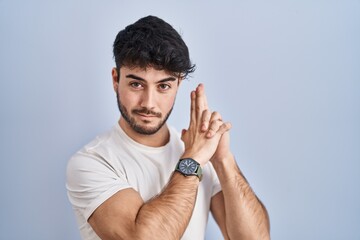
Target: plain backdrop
(285,73)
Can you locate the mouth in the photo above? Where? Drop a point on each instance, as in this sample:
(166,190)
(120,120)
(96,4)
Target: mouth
(147,114)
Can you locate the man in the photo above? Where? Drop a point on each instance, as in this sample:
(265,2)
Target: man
(141,180)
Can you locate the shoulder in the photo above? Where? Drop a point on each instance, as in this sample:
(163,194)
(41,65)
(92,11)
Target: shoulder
(94,168)
(102,143)
(93,152)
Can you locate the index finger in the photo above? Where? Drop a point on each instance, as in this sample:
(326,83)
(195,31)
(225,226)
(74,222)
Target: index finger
(201,101)
(192,108)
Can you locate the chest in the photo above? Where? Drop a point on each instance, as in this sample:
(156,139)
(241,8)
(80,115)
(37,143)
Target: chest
(147,172)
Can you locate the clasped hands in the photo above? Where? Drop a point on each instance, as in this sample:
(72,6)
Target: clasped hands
(207,137)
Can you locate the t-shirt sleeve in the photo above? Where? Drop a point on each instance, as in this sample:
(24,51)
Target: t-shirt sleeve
(91,180)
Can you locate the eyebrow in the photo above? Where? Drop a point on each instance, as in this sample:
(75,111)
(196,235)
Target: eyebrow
(141,79)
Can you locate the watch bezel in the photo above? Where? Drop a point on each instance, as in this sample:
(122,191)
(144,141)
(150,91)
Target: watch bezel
(196,172)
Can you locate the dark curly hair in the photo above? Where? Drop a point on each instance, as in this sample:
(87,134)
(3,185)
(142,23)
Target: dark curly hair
(152,42)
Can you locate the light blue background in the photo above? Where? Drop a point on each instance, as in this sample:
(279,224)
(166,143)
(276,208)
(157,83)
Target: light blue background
(285,73)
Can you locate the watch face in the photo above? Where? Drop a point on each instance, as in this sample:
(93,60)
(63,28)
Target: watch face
(187,166)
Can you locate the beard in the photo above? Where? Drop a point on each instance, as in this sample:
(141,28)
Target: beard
(136,126)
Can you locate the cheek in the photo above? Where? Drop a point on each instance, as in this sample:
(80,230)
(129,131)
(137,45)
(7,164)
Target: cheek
(168,102)
(127,99)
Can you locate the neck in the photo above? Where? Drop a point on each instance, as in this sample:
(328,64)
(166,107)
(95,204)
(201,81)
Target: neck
(158,139)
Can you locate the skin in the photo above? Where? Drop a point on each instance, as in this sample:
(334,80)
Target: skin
(236,209)
(150,90)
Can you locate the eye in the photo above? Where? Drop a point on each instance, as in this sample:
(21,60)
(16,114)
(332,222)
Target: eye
(136,85)
(164,87)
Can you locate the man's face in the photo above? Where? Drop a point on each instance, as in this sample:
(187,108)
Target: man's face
(145,98)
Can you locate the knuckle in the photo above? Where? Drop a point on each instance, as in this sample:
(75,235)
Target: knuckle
(212,128)
(206,113)
(217,114)
(213,123)
(224,126)
(217,122)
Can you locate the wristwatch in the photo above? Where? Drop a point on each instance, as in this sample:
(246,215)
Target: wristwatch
(189,167)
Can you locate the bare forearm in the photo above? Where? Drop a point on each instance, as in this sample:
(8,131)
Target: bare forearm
(167,215)
(246,217)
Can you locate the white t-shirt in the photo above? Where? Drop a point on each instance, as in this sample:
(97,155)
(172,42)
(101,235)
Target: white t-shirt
(113,162)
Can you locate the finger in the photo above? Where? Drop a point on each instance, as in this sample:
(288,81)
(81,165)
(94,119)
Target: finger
(192,108)
(183,134)
(224,128)
(205,120)
(215,123)
(213,127)
(215,116)
(201,101)
(202,90)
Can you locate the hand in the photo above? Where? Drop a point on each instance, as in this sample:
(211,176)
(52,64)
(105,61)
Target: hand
(223,151)
(210,123)
(205,130)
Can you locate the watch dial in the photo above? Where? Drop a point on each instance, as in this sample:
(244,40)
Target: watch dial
(187,166)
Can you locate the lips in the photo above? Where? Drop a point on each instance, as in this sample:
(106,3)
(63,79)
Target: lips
(146,113)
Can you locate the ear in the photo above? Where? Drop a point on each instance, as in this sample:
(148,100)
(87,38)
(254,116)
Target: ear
(115,78)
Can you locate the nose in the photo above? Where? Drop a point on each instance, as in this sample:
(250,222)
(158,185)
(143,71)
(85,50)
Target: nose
(148,99)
